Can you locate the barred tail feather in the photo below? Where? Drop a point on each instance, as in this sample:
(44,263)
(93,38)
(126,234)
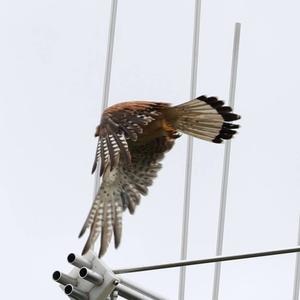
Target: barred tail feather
(206,118)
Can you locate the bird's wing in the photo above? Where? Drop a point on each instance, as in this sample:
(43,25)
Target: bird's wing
(120,123)
(122,188)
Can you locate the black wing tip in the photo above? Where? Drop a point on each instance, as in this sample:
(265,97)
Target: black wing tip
(101,169)
(117,243)
(102,251)
(85,249)
(94,168)
(81,233)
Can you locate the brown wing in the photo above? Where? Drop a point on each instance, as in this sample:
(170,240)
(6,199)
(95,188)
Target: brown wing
(139,175)
(122,188)
(122,122)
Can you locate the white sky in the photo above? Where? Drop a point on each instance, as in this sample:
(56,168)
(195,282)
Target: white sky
(52,65)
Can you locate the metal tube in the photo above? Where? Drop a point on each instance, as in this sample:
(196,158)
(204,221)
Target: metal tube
(140,290)
(208,260)
(226,162)
(91,276)
(78,261)
(107,74)
(297,270)
(114,295)
(75,293)
(109,53)
(188,171)
(127,293)
(64,279)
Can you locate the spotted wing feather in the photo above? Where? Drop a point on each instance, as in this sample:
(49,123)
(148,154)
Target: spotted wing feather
(121,124)
(122,188)
(118,125)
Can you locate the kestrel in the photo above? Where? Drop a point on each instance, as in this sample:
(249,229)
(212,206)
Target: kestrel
(133,139)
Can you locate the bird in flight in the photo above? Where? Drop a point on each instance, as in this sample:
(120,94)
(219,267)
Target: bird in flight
(133,138)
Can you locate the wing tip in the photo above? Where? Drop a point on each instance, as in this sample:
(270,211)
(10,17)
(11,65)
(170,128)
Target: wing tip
(102,251)
(86,247)
(94,168)
(117,243)
(81,233)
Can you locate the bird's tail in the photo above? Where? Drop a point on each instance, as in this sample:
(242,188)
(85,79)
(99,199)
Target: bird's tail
(205,118)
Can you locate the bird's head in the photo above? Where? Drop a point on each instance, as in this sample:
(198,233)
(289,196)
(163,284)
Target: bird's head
(97,131)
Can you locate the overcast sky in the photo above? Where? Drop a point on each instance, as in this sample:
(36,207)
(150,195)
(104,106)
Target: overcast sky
(51,73)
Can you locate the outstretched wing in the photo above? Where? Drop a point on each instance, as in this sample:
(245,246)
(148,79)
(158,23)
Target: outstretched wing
(120,123)
(122,188)
(120,126)
(137,177)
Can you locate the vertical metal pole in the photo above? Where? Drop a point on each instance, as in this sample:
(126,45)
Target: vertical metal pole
(297,270)
(188,171)
(107,75)
(222,211)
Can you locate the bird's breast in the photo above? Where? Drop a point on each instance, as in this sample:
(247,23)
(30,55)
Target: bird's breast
(155,129)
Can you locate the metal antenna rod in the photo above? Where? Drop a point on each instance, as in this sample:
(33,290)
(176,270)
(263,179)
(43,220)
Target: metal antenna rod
(222,211)
(208,260)
(107,75)
(140,290)
(188,172)
(297,270)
